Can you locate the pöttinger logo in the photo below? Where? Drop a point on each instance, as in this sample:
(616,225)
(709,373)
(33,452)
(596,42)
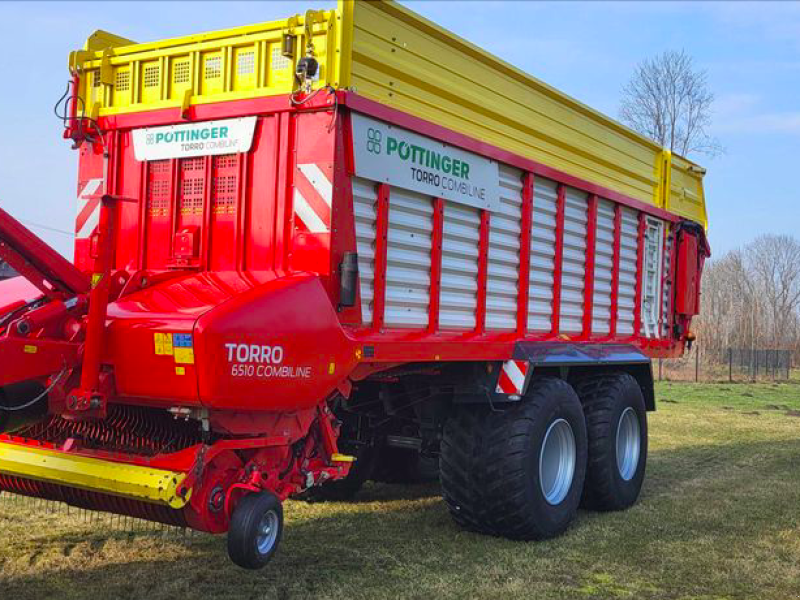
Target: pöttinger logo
(374,138)
(150,139)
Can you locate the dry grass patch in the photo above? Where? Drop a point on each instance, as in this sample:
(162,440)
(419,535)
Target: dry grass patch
(719,518)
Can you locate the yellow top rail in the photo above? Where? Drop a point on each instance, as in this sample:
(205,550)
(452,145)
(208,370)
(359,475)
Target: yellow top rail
(387,53)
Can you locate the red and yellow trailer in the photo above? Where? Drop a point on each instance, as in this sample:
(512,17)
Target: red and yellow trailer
(342,246)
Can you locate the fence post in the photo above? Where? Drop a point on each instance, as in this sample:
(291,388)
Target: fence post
(697,363)
(730,364)
(755,365)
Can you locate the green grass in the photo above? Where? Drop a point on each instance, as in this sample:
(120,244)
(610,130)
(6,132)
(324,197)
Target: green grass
(719,518)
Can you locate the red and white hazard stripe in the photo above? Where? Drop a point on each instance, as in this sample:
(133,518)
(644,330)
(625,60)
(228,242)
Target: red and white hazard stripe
(512,377)
(88,208)
(313,196)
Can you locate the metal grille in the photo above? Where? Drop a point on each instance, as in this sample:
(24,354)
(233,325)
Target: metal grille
(278,61)
(180,73)
(603,268)
(365,199)
(212,67)
(651,276)
(152,76)
(543,243)
(573,275)
(408,272)
(122,81)
(246,63)
(158,188)
(224,183)
(458,296)
(192,185)
(502,278)
(626,297)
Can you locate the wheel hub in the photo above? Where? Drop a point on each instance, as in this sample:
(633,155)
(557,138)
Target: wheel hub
(628,444)
(267,532)
(557,460)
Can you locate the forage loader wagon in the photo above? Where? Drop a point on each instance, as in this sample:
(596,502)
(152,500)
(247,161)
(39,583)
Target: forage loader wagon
(342,246)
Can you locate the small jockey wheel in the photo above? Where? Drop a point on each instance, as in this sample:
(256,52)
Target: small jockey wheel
(255,530)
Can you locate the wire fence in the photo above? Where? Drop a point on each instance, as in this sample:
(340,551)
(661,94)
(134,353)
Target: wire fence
(727,364)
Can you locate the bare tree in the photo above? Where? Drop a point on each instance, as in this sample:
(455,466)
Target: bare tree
(668,100)
(751,297)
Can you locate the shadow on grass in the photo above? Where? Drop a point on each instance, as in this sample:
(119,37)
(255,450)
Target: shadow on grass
(407,546)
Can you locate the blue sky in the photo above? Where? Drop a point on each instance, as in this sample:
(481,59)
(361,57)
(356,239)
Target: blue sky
(750,50)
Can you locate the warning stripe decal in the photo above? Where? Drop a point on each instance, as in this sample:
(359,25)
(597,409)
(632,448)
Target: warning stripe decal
(88,209)
(307,215)
(313,197)
(512,377)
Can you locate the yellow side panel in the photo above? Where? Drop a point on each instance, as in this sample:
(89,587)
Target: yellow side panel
(233,64)
(406,62)
(686,191)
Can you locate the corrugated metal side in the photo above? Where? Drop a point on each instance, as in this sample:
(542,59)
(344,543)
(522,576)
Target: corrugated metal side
(543,243)
(365,198)
(408,272)
(502,281)
(458,299)
(667,290)
(573,275)
(627,271)
(603,268)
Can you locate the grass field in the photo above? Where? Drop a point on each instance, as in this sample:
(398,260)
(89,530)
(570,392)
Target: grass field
(719,518)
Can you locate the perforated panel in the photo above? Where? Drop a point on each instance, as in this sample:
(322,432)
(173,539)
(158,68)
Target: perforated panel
(158,188)
(159,206)
(502,281)
(573,275)
(461,234)
(408,273)
(224,182)
(543,241)
(365,198)
(603,268)
(224,204)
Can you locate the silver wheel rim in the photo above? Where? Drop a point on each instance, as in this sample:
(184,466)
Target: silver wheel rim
(557,461)
(267,532)
(628,444)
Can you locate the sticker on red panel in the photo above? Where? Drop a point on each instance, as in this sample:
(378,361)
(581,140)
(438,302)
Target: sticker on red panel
(513,376)
(313,197)
(88,208)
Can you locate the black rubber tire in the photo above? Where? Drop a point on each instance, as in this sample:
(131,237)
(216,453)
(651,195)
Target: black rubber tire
(489,464)
(604,399)
(244,530)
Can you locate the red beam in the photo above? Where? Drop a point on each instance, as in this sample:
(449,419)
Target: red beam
(663,283)
(588,288)
(483,264)
(526,222)
(558,261)
(436,264)
(381,242)
(37,261)
(612,325)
